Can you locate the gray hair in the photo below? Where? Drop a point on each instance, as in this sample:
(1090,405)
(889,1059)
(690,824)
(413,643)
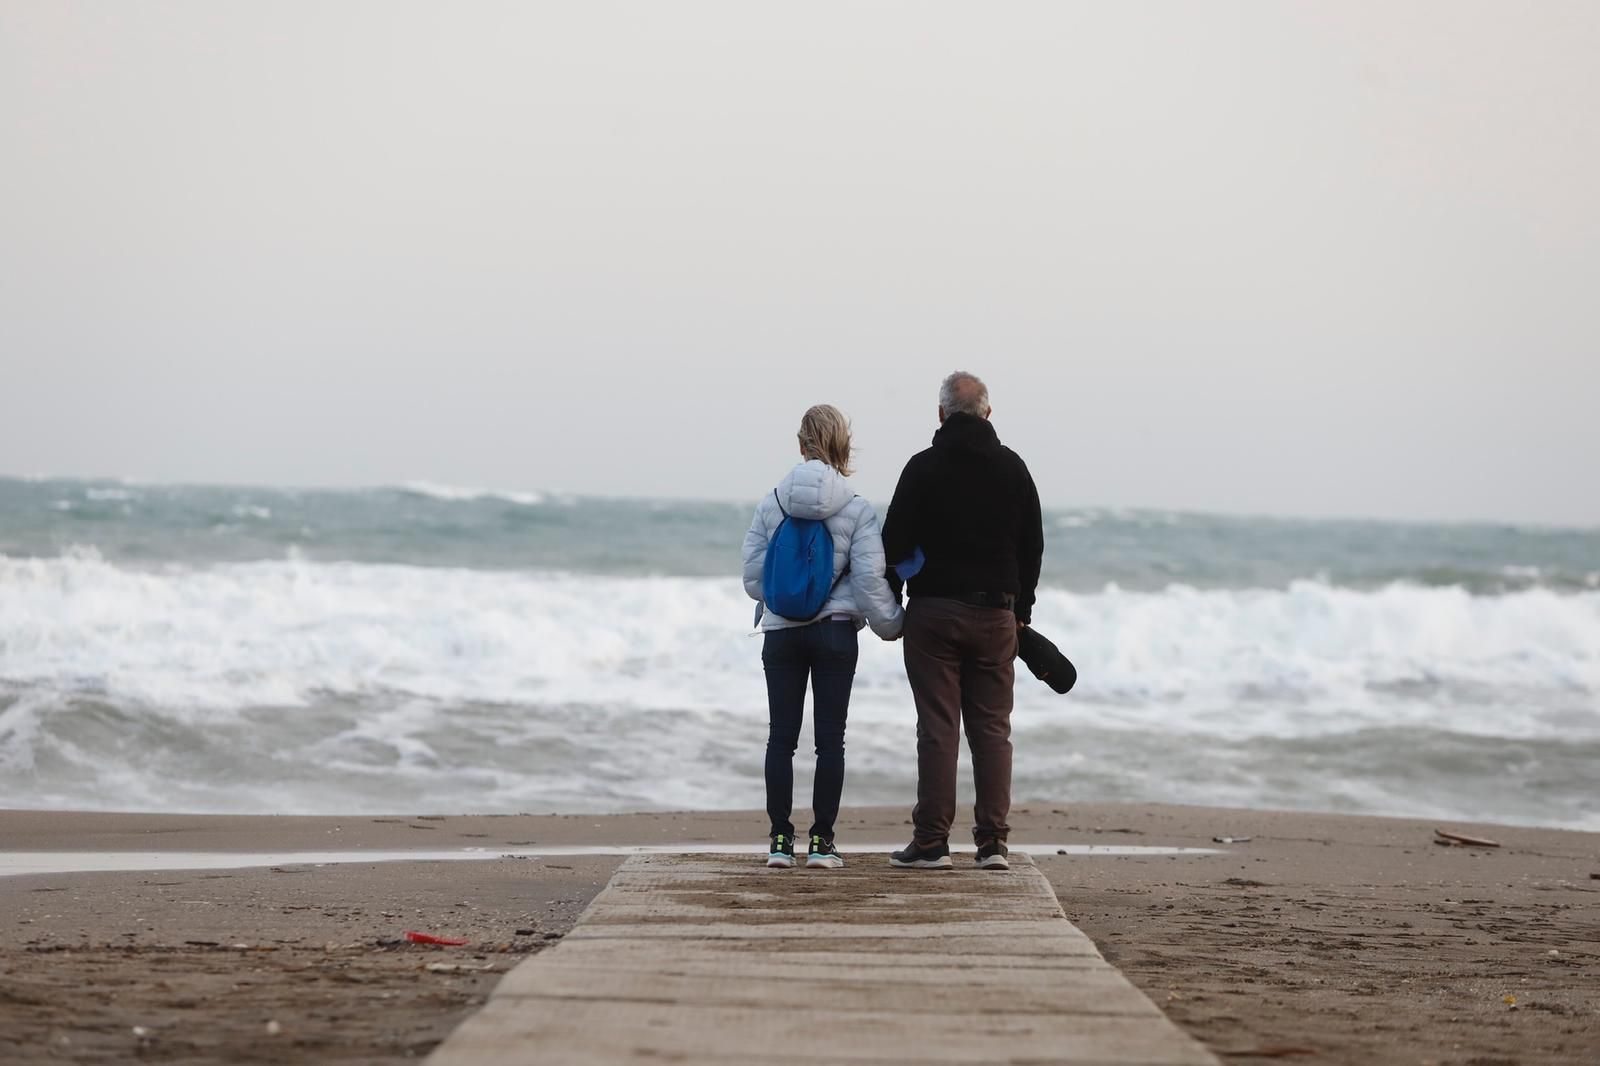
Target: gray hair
(964,394)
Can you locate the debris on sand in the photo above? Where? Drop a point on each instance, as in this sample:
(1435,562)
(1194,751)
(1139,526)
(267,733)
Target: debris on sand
(429,938)
(1457,840)
(1275,1051)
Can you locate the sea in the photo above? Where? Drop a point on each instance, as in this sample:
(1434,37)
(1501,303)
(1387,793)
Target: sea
(436,649)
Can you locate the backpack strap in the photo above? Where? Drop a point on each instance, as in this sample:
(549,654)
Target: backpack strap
(779,503)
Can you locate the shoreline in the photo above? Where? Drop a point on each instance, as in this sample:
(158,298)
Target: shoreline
(46,829)
(37,863)
(1354,936)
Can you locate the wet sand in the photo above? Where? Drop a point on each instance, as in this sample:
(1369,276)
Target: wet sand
(1323,938)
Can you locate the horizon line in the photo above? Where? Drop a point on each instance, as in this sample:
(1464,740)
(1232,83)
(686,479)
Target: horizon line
(421,487)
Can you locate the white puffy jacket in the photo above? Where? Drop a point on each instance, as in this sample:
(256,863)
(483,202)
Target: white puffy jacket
(813,489)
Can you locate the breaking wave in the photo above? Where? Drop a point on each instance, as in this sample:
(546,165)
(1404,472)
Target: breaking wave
(297,685)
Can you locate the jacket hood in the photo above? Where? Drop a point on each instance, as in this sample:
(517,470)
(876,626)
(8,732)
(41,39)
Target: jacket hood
(968,433)
(813,489)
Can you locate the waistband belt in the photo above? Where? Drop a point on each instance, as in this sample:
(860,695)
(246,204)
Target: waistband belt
(1003,600)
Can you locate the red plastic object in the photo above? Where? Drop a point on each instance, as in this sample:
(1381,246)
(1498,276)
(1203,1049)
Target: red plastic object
(429,938)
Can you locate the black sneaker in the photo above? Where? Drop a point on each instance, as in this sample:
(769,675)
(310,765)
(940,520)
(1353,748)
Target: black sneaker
(912,857)
(992,856)
(782,851)
(822,855)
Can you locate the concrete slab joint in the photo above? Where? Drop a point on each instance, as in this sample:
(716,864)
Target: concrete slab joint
(716,959)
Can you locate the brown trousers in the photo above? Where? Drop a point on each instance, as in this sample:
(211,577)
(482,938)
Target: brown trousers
(960,662)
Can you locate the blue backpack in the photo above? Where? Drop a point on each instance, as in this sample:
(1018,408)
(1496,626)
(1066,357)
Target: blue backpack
(797,574)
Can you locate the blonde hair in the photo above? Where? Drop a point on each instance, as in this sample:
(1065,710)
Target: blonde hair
(825,434)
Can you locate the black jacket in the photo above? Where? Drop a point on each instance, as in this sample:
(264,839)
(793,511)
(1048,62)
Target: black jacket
(970,504)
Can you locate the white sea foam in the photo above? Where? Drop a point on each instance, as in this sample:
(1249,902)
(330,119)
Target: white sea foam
(283,632)
(30,863)
(457,493)
(344,686)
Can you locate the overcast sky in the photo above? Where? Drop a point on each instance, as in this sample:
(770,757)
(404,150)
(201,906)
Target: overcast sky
(1324,259)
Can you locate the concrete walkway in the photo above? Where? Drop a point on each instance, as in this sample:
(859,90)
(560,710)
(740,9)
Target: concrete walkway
(716,959)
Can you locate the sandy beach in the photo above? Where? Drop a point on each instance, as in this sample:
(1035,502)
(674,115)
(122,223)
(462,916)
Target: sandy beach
(1330,938)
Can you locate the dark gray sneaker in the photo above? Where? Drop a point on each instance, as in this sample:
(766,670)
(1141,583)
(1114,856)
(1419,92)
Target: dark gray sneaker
(912,857)
(992,856)
(823,855)
(781,853)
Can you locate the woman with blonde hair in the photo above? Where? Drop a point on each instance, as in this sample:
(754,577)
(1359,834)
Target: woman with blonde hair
(810,614)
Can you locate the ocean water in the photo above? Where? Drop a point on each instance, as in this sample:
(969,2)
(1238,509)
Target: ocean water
(439,649)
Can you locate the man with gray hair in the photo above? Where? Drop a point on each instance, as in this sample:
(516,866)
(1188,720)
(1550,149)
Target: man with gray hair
(964,527)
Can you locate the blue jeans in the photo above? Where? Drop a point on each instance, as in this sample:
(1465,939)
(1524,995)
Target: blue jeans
(825,654)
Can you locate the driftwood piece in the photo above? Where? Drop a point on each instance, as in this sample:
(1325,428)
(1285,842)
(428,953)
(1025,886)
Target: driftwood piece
(1460,839)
